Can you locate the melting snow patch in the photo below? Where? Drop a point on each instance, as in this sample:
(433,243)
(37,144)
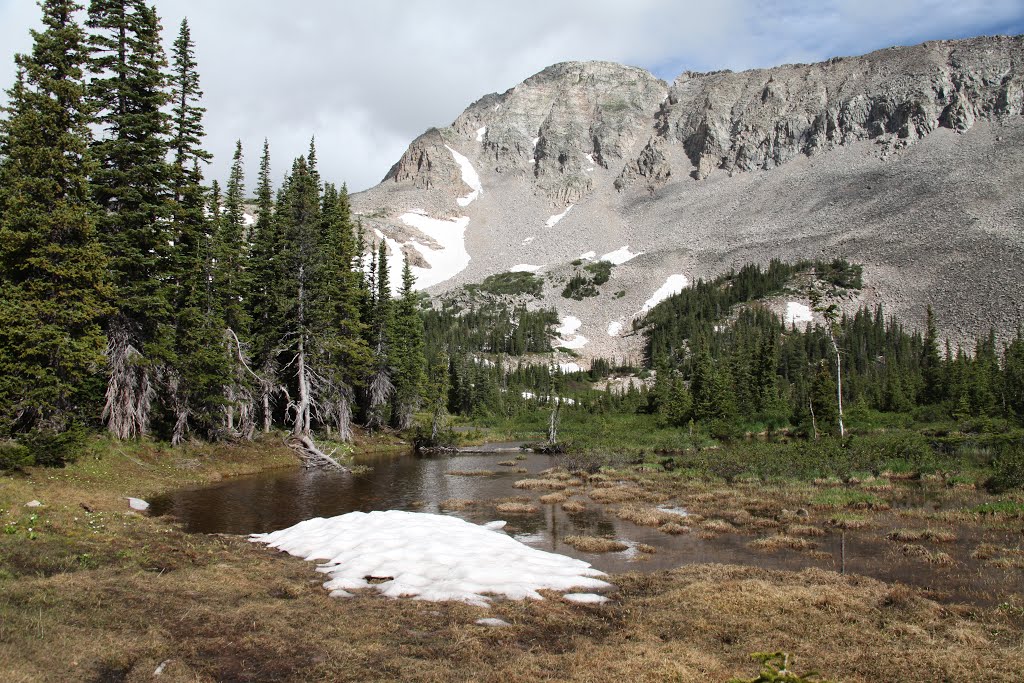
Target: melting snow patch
(553,221)
(480,133)
(528,240)
(428,557)
(535,141)
(798,313)
(558,399)
(620,256)
(570,324)
(524,268)
(585,598)
(450,259)
(674,510)
(469,176)
(614,329)
(569,367)
(587,255)
(491,621)
(673,285)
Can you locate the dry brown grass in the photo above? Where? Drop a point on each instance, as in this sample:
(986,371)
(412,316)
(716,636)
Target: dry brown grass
(648,516)
(541,484)
(574,506)
(595,544)
(646,549)
(773,543)
(717,526)
(920,552)
(221,609)
(845,521)
(471,473)
(554,498)
(805,530)
(517,508)
(507,463)
(674,529)
(623,494)
(455,504)
(909,535)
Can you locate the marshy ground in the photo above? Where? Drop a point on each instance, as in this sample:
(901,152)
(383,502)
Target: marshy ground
(91,591)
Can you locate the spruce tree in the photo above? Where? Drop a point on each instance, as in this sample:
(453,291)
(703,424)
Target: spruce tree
(931,364)
(52,290)
(407,352)
(380,386)
(132,186)
(197,372)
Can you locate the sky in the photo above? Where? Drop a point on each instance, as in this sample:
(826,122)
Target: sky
(365,78)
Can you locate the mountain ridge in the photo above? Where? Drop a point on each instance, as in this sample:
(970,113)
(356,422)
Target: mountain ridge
(904,159)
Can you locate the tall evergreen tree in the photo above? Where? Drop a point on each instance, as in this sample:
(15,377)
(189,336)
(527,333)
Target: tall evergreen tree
(197,372)
(380,387)
(931,363)
(52,290)
(132,186)
(407,352)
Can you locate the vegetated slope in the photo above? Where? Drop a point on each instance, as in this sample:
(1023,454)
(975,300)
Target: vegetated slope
(908,160)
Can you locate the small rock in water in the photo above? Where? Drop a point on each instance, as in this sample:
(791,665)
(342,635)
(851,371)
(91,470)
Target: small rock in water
(138,504)
(494,526)
(491,621)
(33,504)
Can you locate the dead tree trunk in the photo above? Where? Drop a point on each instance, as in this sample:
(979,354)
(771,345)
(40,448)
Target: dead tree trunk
(130,391)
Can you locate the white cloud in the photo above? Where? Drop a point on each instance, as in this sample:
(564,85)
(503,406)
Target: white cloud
(366,78)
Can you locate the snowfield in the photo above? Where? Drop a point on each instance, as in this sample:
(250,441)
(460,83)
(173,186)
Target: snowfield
(524,268)
(451,259)
(428,557)
(797,313)
(469,176)
(673,285)
(620,256)
(614,329)
(480,133)
(553,220)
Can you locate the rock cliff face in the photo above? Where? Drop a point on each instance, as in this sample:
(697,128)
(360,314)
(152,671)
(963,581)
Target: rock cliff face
(909,160)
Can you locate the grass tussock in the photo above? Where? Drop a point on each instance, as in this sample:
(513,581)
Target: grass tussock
(554,498)
(913,535)
(541,484)
(646,549)
(456,504)
(574,506)
(648,516)
(516,508)
(674,529)
(507,463)
(781,542)
(595,544)
(848,521)
(805,530)
(718,526)
(919,552)
(471,473)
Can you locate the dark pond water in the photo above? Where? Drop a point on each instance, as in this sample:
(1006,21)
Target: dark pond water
(279,499)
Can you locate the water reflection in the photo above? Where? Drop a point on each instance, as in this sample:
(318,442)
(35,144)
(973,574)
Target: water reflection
(276,500)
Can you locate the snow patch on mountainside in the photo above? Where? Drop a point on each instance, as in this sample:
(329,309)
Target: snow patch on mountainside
(524,268)
(797,313)
(553,221)
(480,133)
(469,176)
(587,255)
(673,285)
(567,333)
(620,256)
(451,259)
(614,329)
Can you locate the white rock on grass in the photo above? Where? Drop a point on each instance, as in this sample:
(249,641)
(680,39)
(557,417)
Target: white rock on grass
(491,621)
(469,176)
(138,504)
(33,504)
(428,557)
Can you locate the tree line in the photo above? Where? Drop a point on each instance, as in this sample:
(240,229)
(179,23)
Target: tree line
(135,296)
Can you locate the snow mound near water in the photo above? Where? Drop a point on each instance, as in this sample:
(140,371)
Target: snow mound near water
(428,557)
